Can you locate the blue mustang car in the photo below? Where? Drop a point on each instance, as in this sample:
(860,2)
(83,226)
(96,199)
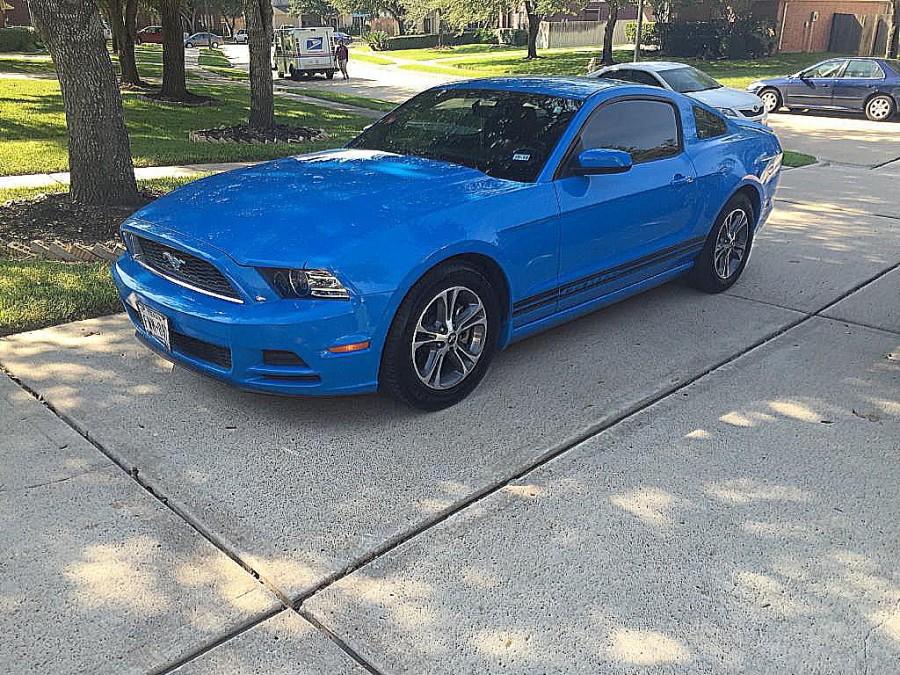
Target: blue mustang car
(866,85)
(474,215)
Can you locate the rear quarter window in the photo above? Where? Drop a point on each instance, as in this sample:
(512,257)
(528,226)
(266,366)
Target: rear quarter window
(709,124)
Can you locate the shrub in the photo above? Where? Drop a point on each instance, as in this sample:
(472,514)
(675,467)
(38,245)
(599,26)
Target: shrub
(486,36)
(377,40)
(512,37)
(412,41)
(19,39)
(716,39)
(649,34)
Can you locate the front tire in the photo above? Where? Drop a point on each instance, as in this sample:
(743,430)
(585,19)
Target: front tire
(880,108)
(442,339)
(727,247)
(189,45)
(771,99)
(215,45)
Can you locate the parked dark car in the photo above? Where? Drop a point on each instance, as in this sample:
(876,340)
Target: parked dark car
(203,40)
(150,34)
(858,84)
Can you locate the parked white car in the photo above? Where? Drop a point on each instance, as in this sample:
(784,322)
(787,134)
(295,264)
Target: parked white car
(242,37)
(688,80)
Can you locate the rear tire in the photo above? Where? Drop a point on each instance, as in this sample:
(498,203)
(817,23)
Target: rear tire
(880,108)
(215,45)
(727,247)
(431,362)
(771,99)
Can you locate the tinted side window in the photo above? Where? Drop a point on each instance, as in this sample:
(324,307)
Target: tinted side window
(646,129)
(863,69)
(636,76)
(709,125)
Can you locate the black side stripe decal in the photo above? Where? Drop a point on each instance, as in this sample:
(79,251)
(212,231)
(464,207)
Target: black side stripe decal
(534,302)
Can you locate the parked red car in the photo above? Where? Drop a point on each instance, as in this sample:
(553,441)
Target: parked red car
(150,34)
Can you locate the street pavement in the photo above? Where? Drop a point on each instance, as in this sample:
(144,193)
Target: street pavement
(678,483)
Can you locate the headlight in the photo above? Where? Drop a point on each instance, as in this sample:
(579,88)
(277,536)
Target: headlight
(754,86)
(728,112)
(296,283)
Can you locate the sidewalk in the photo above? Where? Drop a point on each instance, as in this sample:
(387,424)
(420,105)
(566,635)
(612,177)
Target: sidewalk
(144,173)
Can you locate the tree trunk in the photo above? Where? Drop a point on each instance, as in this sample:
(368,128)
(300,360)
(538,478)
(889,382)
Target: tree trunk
(99,152)
(534,25)
(123,44)
(259,33)
(893,50)
(607,57)
(173,84)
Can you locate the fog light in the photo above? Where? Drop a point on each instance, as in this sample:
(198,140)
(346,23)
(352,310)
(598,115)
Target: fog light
(353,347)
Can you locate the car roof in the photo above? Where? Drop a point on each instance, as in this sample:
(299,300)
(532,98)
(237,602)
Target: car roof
(654,66)
(578,88)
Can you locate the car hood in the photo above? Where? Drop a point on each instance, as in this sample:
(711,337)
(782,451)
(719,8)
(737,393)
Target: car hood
(309,207)
(726,97)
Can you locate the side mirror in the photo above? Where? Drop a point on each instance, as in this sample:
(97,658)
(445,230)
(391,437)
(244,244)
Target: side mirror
(600,161)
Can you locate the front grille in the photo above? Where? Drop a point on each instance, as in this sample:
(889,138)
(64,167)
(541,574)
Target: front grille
(199,349)
(191,346)
(184,267)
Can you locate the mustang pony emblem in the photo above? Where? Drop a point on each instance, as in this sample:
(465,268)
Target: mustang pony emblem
(174,262)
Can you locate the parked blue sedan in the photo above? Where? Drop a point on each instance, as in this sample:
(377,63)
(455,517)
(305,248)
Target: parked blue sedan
(474,215)
(866,85)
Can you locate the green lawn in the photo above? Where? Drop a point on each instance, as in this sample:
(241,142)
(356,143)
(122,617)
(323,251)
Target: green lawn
(34,294)
(369,57)
(574,61)
(32,125)
(213,57)
(795,159)
(26,65)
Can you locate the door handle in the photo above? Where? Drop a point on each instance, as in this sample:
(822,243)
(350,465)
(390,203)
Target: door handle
(681,179)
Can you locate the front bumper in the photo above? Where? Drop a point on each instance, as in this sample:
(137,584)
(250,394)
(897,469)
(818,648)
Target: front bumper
(227,340)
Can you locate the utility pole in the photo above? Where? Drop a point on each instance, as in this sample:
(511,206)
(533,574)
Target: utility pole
(637,33)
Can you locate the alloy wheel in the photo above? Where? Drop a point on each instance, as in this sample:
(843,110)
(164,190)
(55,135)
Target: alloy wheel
(879,108)
(731,244)
(770,101)
(449,338)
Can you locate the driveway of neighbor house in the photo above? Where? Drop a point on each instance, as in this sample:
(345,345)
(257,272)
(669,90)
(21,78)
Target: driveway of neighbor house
(678,483)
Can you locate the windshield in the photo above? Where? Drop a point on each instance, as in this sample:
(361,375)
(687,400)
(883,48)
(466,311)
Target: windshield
(687,79)
(502,133)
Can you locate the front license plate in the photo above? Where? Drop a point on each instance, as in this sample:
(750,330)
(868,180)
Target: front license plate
(156,324)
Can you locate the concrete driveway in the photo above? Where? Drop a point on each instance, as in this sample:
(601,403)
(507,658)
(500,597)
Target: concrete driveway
(679,483)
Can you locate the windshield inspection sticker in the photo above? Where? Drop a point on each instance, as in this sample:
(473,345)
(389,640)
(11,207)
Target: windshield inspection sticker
(521,156)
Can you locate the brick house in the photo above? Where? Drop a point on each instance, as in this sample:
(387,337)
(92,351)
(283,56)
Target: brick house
(845,26)
(828,25)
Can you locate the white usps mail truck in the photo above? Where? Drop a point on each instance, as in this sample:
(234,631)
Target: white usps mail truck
(304,52)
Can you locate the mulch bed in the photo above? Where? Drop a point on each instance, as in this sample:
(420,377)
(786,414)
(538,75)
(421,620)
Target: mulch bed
(241,133)
(54,217)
